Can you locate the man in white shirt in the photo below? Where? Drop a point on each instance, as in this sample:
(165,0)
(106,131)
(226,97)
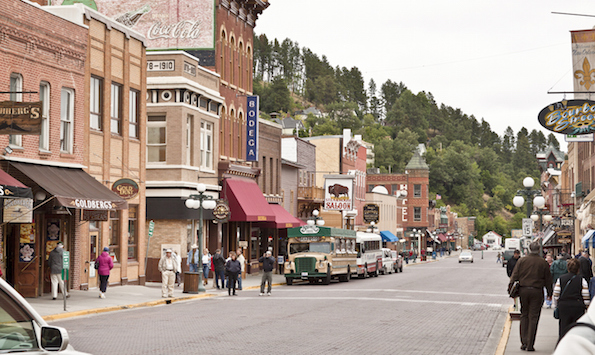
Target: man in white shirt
(242,261)
(168,268)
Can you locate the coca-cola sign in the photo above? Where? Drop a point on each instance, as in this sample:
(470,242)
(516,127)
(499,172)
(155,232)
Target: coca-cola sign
(167,24)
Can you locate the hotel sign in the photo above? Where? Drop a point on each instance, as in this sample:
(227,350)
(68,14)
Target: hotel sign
(252,129)
(20,117)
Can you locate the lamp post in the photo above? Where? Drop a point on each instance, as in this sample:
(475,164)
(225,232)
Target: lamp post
(519,200)
(372,226)
(201,202)
(317,220)
(541,215)
(417,233)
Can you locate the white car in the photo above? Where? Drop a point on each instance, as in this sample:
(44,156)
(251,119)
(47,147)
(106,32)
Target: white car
(23,330)
(388,263)
(465,256)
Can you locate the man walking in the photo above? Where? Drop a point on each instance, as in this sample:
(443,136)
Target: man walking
(168,268)
(242,260)
(192,260)
(533,274)
(268,264)
(512,262)
(55,264)
(585,271)
(219,263)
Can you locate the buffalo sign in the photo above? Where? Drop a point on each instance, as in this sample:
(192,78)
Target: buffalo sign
(338,192)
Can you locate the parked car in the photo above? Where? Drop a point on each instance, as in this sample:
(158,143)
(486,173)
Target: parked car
(508,254)
(465,256)
(24,331)
(388,263)
(398,261)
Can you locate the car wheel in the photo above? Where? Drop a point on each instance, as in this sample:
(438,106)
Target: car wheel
(376,272)
(459,261)
(289,281)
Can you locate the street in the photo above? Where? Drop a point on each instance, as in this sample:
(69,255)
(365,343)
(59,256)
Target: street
(440,307)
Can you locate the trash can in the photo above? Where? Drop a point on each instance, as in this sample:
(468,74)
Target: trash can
(190,282)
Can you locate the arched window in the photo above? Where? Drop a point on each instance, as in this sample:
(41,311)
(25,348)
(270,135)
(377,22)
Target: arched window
(240,62)
(240,133)
(223,41)
(232,121)
(221,129)
(232,55)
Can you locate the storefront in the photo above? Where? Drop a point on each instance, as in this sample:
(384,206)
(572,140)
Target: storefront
(64,198)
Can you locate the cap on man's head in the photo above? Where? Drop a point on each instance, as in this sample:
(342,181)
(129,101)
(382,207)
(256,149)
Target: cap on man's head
(269,253)
(194,246)
(105,248)
(168,250)
(59,243)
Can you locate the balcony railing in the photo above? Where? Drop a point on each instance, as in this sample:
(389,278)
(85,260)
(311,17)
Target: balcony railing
(310,193)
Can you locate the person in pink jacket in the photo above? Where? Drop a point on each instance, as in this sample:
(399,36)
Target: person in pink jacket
(105,265)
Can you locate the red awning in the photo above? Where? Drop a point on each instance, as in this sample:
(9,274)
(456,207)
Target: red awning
(442,237)
(246,202)
(284,219)
(11,187)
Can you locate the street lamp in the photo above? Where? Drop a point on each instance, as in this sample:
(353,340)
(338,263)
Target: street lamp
(518,200)
(372,226)
(417,233)
(201,202)
(317,220)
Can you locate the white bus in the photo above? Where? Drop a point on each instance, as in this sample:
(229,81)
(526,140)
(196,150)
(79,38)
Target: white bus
(369,254)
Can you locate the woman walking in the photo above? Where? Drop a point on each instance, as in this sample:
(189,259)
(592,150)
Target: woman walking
(232,269)
(206,265)
(571,296)
(105,266)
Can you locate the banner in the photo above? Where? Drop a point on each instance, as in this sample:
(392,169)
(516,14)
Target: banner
(252,128)
(583,60)
(338,192)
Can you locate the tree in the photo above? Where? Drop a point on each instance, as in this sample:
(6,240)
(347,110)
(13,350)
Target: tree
(552,140)
(374,104)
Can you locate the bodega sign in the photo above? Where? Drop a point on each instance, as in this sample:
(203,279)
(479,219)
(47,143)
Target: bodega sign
(252,128)
(569,117)
(338,192)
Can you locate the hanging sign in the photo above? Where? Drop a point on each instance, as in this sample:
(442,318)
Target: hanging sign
(20,117)
(125,188)
(252,129)
(338,192)
(569,117)
(371,213)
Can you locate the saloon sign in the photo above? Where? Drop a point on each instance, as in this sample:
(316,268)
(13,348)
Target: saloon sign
(569,117)
(20,117)
(338,192)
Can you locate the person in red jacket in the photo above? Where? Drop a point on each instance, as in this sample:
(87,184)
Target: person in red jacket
(103,269)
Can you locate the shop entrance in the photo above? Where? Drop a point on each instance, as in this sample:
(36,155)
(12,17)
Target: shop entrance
(23,250)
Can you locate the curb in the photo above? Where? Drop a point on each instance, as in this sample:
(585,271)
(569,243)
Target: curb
(86,312)
(505,334)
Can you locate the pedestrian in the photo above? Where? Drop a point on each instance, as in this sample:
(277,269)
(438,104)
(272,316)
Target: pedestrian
(586,271)
(565,254)
(178,260)
(533,274)
(558,268)
(206,265)
(168,268)
(232,269)
(549,259)
(242,260)
(192,260)
(55,264)
(103,269)
(512,262)
(499,260)
(268,264)
(571,296)
(219,263)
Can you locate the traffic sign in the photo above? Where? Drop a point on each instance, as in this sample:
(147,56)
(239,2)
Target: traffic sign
(151,227)
(66,260)
(527,227)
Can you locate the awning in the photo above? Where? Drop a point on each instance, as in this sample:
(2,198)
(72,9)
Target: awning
(548,235)
(387,236)
(246,202)
(72,188)
(588,239)
(442,237)
(13,188)
(284,219)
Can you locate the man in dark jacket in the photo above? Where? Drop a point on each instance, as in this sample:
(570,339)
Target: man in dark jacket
(233,268)
(219,264)
(585,271)
(512,262)
(533,274)
(55,264)
(268,264)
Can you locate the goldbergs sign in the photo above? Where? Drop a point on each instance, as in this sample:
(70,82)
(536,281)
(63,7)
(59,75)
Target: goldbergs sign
(569,117)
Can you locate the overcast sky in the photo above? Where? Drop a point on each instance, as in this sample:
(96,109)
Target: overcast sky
(495,60)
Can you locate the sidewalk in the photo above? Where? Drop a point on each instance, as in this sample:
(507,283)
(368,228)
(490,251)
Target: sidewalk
(129,296)
(545,341)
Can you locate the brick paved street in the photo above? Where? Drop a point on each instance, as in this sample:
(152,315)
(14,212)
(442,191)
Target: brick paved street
(437,308)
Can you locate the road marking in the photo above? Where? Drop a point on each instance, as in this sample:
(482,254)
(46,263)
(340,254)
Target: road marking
(472,304)
(312,289)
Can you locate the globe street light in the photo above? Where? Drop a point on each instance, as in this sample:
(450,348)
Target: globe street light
(317,220)
(201,202)
(519,200)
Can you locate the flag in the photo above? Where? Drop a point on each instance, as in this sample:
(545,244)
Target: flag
(438,197)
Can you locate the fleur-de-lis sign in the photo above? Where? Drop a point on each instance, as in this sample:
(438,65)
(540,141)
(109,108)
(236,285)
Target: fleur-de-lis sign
(585,75)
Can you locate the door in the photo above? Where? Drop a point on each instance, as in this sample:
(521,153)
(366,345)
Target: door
(94,253)
(26,258)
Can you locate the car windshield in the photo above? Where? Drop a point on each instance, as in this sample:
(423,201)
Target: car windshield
(295,248)
(16,326)
(466,253)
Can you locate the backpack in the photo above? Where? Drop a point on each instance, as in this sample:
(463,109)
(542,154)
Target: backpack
(96,263)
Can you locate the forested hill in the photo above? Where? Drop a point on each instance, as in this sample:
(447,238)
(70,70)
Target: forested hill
(475,170)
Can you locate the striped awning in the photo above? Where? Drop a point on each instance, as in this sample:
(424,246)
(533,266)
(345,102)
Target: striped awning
(588,240)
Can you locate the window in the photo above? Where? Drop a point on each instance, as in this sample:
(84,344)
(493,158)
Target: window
(416,190)
(206,145)
(96,91)
(133,112)
(114,236)
(417,214)
(132,233)
(189,140)
(66,120)
(156,139)
(16,86)
(116,109)
(204,103)
(44,97)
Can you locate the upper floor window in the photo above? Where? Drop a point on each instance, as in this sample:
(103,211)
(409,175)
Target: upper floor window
(416,190)
(206,145)
(116,109)
(44,97)
(189,119)
(66,120)
(133,114)
(95,103)
(16,87)
(417,214)
(156,139)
